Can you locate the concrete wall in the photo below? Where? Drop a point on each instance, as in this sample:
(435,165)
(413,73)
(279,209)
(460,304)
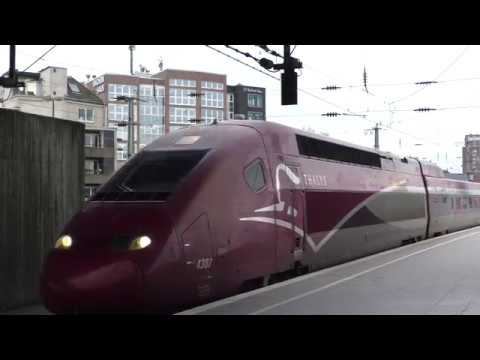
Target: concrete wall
(41,187)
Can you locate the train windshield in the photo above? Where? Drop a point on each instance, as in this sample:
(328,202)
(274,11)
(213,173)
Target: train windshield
(150,175)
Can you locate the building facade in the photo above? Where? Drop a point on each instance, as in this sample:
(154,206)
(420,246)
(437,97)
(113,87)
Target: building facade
(52,93)
(146,108)
(100,144)
(161,103)
(193,97)
(246,102)
(471,157)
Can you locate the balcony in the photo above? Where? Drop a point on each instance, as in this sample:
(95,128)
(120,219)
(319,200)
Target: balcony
(97,152)
(91,178)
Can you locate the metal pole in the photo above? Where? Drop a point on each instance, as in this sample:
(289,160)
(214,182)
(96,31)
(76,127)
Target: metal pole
(130,130)
(377,140)
(137,149)
(12,62)
(131,48)
(53,107)
(286,55)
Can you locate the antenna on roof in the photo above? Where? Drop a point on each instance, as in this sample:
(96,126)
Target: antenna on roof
(131,48)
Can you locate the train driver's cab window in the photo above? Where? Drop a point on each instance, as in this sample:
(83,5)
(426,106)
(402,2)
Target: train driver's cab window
(254,176)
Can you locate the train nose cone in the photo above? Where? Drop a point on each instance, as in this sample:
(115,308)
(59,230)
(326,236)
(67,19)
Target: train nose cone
(96,285)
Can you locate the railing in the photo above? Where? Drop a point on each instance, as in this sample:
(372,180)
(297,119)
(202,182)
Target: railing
(93,171)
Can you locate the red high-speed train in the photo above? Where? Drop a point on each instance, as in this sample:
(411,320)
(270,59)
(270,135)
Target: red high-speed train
(210,211)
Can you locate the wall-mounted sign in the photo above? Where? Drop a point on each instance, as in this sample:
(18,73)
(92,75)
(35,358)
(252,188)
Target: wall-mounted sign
(252,90)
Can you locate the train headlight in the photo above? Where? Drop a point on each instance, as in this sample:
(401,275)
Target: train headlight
(64,242)
(140,242)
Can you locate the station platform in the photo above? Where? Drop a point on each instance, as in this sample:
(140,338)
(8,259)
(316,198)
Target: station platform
(430,277)
(28,310)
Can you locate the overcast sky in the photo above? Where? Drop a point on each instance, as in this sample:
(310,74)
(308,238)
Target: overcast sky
(440,133)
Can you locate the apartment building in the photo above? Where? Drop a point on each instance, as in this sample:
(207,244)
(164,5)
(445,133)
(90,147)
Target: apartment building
(52,93)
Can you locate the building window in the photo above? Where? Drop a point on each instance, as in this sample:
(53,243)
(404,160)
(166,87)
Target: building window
(255,100)
(231,106)
(88,191)
(151,130)
(93,140)
(212,85)
(210,114)
(146,91)
(118,112)
(182,97)
(183,83)
(152,113)
(174,128)
(213,99)
(85,115)
(122,133)
(93,167)
(115,90)
(149,134)
(122,155)
(254,115)
(182,115)
(74,87)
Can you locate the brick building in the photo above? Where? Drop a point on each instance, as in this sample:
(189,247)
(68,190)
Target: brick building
(163,102)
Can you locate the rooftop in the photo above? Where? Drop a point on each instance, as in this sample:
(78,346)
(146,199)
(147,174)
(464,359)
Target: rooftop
(78,92)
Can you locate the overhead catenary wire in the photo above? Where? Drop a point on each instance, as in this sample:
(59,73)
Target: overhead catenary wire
(415,83)
(270,51)
(248,55)
(389,127)
(40,58)
(436,108)
(241,62)
(449,66)
(274,77)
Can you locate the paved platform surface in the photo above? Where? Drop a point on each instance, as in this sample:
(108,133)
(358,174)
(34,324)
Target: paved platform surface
(28,310)
(435,276)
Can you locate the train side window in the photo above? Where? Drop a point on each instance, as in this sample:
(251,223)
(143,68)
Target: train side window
(329,150)
(255,176)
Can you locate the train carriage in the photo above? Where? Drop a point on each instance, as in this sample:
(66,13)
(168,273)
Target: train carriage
(210,211)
